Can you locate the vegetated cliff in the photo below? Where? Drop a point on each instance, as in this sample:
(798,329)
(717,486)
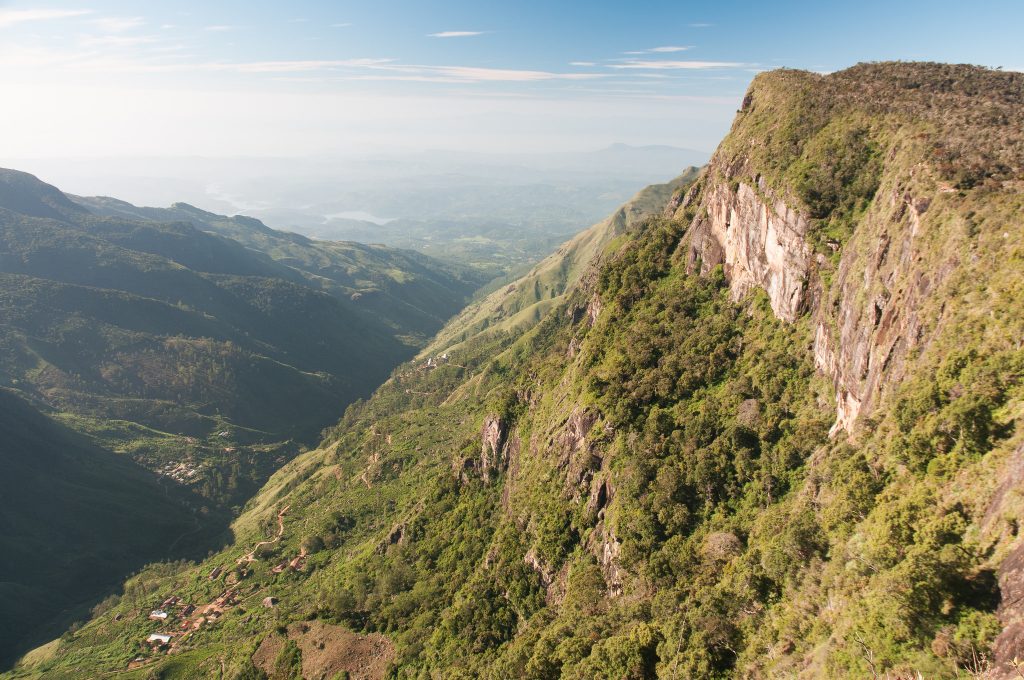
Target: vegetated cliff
(855,198)
(773,433)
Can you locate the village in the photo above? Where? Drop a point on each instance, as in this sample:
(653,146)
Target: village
(181,619)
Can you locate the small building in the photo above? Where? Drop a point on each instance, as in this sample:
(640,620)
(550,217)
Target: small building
(159,639)
(217,571)
(158,615)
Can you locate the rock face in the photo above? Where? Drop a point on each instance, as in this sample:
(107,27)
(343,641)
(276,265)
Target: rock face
(759,240)
(492,449)
(496,451)
(868,318)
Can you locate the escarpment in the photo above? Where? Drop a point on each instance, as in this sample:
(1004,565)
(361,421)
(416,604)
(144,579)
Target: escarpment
(855,221)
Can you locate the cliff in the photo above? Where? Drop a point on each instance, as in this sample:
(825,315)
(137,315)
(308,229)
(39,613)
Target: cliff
(859,210)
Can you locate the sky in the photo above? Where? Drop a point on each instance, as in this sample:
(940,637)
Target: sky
(229,78)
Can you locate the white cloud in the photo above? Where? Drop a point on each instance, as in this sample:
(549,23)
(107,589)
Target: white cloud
(454,34)
(477,74)
(671,48)
(117,24)
(116,40)
(582,63)
(673,65)
(10,17)
(291,66)
(700,25)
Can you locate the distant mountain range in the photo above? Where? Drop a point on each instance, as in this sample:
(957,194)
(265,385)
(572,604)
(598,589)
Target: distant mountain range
(498,213)
(204,348)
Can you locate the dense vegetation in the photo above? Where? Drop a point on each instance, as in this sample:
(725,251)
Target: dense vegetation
(638,480)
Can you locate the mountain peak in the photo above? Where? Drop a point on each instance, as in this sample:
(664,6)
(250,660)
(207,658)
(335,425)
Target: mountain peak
(24,193)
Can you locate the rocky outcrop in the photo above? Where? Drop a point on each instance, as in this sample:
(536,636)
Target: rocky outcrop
(492,444)
(759,240)
(866,319)
(496,450)
(871,319)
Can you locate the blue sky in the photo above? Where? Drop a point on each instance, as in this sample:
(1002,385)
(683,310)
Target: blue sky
(110,77)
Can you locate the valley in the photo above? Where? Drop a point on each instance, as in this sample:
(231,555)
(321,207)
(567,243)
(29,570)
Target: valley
(195,351)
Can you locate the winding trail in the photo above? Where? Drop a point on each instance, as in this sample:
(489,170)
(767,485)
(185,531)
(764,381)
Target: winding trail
(251,555)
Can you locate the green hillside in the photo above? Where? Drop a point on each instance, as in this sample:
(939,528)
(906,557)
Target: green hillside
(527,299)
(771,431)
(195,354)
(410,292)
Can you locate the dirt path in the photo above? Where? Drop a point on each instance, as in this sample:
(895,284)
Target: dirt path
(251,555)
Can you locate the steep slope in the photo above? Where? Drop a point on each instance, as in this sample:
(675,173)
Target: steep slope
(73,520)
(657,479)
(526,300)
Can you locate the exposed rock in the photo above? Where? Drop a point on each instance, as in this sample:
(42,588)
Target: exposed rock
(749,413)
(601,494)
(608,548)
(759,240)
(496,450)
(537,565)
(395,536)
(870,320)
(721,546)
(594,309)
(492,448)
(576,456)
(1010,642)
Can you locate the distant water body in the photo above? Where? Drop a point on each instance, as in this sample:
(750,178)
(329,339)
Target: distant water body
(359,215)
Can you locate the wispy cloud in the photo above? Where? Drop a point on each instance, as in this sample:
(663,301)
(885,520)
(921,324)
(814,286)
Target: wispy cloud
(674,65)
(219,28)
(117,24)
(454,34)
(10,17)
(116,40)
(582,63)
(661,50)
(700,25)
(478,74)
(295,66)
